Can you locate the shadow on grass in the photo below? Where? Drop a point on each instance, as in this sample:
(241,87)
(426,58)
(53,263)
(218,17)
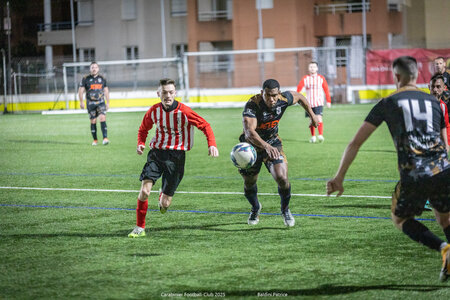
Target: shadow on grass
(210,227)
(214,227)
(46,142)
(331,290)
(374,206)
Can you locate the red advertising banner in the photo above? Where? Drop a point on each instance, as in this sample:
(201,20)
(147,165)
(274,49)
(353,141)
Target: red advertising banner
(379,63)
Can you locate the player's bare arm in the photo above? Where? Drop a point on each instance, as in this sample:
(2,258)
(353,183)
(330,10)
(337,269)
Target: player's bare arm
(336,184)
(300,99)
(81,92)
(106,91)
(253,137)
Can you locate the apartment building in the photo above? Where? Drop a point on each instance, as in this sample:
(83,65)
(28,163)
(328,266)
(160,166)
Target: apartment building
(129,29)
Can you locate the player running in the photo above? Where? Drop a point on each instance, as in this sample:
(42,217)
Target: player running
(417,126)
(261,116)
(316,86)
(174,136)
(97,92)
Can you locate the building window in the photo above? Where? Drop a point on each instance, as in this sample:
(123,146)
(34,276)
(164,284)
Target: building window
(210,10)
(266,43)
(131,52)
(264,4)
(178,8)
(128,9)
(394,5)
(86,54)
(178,49)
(85,12)
(216,63)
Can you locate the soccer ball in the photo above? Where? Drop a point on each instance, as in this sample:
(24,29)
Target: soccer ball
(243,155)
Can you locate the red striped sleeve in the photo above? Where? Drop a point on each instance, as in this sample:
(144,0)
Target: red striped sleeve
(197,121)
(146,125)
(325,89)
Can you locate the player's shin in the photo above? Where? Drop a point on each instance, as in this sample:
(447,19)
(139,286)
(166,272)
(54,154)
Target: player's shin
(421,234)
(94,131)
(141,212)
(447,233)
(285,196)
(252,196)
(104,129)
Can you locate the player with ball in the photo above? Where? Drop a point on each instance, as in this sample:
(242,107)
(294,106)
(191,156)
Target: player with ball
(260,119)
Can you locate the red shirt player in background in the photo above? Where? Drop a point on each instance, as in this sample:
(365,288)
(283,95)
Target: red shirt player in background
(174,136)
(316,86)
(437,88)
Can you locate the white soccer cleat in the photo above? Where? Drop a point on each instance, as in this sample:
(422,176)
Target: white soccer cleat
(288,218)
(94,143)
(320,138)
(137,232)
(105,141)
(313,139)
(253,219)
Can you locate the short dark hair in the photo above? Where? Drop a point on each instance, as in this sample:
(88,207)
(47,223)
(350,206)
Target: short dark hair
(405,66)
(93,63)
(436,77)
(166,81)
(440,57)
(314,62)
(271,84)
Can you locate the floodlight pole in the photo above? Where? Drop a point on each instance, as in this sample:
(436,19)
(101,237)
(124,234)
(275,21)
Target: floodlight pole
(5,108)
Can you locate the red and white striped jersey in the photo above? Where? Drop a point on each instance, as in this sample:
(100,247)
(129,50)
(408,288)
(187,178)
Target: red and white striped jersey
(316,86)
(174,128)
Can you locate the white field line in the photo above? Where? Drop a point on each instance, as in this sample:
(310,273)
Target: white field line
(179,192)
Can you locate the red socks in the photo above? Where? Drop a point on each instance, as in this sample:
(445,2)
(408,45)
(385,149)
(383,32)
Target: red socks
(141,212)
(320,128)
(313,130)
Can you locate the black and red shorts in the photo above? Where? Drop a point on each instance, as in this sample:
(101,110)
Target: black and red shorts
(409,198)
(166,163)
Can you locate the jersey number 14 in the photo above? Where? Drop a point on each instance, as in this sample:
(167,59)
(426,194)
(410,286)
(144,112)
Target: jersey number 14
(412,113)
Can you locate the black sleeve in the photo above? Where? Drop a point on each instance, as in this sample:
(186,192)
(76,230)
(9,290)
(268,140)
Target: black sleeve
(289,97)
(83,81)
(104,82)
(376,115)
(250,110)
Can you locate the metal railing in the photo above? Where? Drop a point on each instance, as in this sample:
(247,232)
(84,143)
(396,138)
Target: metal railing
(204,16)
(340,8)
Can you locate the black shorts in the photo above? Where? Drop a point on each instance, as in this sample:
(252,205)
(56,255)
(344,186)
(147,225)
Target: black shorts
(95,109)
(408,199)
(318,110)
(169,164)
(263,157)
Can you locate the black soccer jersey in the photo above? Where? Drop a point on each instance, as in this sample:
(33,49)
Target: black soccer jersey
(94,87)
(446,76)
(267,118)
(415,120)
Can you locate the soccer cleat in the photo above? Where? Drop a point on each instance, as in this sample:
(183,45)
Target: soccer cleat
(288,218)
(445,272)
(313,139)
(162,209)
(105,141)
(320,138)
(137,232)
(253,219)
(427,206)
(94,143)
